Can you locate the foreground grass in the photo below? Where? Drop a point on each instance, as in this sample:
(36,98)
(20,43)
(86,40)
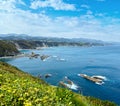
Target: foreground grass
(21,89)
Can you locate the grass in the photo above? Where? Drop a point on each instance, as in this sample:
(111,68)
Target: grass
(18,88)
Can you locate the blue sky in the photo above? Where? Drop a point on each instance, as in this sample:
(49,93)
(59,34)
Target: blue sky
(94,19)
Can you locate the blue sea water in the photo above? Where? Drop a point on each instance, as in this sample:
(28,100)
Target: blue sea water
(70,61)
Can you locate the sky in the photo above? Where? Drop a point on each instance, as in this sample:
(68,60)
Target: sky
(93,19)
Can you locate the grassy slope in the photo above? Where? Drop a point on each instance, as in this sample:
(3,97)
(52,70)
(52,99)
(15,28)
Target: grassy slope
(21,89)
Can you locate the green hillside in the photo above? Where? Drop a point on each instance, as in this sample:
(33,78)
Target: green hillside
(18,88)
(7,48)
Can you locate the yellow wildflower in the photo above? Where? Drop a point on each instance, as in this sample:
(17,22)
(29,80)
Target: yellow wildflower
(1,95)
(21,98)
(28,103)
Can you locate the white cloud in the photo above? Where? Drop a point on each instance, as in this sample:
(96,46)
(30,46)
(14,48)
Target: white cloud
(21,2)
(55,4)
(85,6)
(7,5)
(100,14)
(89,12)
(14,20)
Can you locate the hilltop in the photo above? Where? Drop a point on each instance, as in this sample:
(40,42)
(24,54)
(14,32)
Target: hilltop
(18,88)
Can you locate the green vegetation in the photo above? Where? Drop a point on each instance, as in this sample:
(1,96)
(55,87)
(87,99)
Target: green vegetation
(18,88)
(25,44)
(7,48)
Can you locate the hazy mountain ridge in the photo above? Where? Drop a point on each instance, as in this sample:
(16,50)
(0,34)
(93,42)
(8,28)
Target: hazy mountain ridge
(55,39)
(23,41)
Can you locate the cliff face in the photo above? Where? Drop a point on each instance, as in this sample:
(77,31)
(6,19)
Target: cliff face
(21,89)
(7,48)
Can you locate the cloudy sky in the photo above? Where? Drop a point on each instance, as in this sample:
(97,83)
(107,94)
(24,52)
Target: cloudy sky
(94,19)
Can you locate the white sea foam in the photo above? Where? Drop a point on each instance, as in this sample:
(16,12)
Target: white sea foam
(72,86)
(99,83)
(102,77)
(54,56)
(82,74)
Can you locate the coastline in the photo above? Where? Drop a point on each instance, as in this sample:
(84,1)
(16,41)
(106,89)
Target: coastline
(16,56)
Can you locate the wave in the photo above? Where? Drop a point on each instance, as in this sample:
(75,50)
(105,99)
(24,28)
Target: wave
(68,83)
(55,56)
(72,86)
(99,83)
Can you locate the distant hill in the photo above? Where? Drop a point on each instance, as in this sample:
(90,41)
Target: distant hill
(49,39)
(7,48)
(14,37)
(30,42)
